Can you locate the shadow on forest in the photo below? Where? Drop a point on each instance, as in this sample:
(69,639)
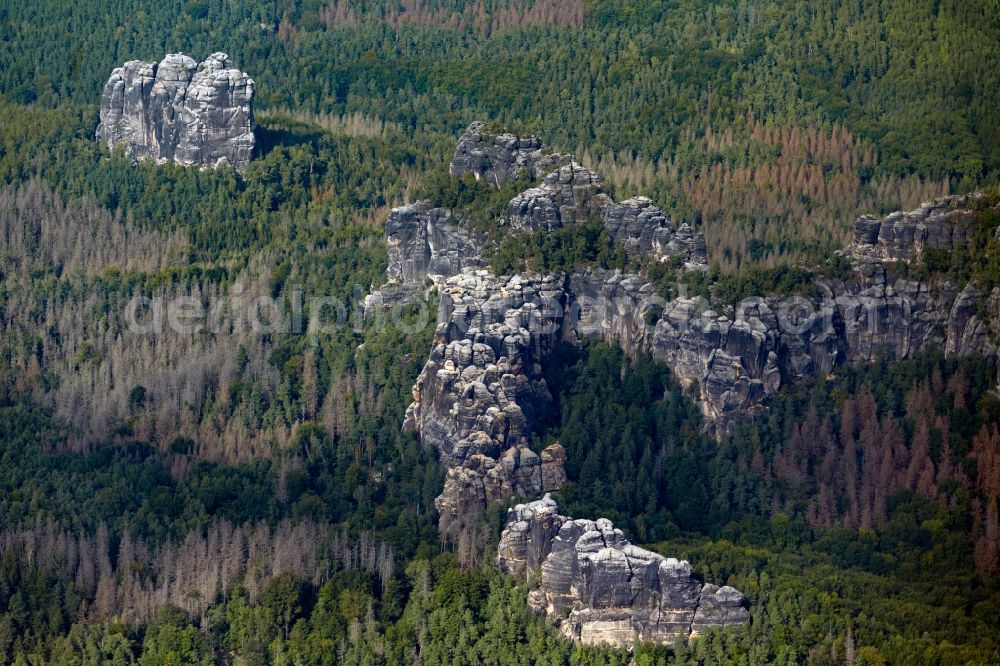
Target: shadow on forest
(275,132)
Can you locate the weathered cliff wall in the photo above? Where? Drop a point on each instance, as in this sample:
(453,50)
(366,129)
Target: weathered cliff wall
(195,114)
(480,391)
(424,241)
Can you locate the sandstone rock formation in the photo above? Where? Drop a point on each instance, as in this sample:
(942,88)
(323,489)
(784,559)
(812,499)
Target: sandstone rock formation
(498,158)
(482,384)
(193,114)
(427,242)
(568,195)
(599,588)
(475,400)
(944,225)
(482,481)
(645,230)
(480,388)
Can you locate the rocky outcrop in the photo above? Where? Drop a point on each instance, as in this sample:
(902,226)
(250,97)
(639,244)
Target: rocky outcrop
(498,158)
(479,390)
(482,384)
(195,114)
(739,356)
(944,224)
(423,241)
(599,588)
(567,196)
(646,231)
(734,360)
(481,481)
(571,194)
(476,398)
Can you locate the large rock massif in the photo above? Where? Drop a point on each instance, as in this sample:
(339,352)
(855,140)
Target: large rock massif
(195,114)
(599,588)
(478,393)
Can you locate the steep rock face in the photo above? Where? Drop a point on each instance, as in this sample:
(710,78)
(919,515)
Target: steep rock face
(599,588)
(740,357)
(498,158)
(482,481)
(737,358)
(483,376)
(480,388)
(971,331)
(527,536)
(424,241)
(194,114)
(733,360)
(568,195)
(646,231)
(944,224)
(477,395)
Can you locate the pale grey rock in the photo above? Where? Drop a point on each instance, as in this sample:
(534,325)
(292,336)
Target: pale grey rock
(944,224)
(973,325)
(481,481)
(177,110)
(719,607)
(736,360)
(528,536)
(478,394)
(423,241)
(553,463)
(483,374)
(424,244)
(599,588)
(481,387)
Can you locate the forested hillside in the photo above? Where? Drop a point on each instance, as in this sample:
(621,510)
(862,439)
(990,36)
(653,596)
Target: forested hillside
(773,124)
(231,496)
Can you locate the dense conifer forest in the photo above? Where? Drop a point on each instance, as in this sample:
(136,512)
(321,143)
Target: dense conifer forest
(231,497)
